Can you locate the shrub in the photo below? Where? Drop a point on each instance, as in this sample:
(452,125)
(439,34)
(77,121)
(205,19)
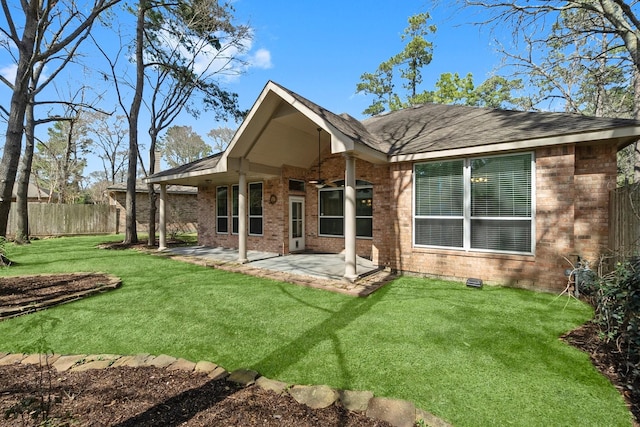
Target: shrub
(616,299)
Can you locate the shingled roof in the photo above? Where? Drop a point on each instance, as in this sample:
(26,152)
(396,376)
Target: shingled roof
(199,165)
(428,131)
(437,127)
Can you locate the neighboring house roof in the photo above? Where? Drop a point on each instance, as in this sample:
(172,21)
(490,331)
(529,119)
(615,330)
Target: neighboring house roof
(142,187)
(34,192)
(284,128)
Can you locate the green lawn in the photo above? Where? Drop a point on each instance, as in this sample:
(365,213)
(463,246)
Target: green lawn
(473,357)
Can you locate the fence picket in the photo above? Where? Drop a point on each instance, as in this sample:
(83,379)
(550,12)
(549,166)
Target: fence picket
(49,219)
(624,222)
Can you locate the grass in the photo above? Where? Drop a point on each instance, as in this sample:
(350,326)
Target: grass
(473,357)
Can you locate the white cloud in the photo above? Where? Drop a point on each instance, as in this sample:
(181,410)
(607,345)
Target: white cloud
(261,59)
(228,63)
(9,72)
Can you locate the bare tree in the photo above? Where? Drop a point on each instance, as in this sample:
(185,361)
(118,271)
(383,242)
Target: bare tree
(221,137)
(109,134)
(39,20)
(60,160)
(180,47)
(611,29)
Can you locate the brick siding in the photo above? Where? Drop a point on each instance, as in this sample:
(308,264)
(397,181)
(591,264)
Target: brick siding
(572,185)
(182,211)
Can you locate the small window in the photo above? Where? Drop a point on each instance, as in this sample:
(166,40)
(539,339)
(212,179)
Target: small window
(296,185)
(222,210)
(234,208)
(255,208)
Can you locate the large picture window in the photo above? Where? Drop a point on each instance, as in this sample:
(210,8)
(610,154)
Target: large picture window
(222,210)
(332,210)
(480,204)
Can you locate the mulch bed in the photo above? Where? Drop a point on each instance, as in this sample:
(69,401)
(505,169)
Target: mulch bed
(25,294)
(134,397)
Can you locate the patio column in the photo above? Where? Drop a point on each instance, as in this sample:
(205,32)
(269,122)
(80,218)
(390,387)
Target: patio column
(350,272)
(242,218)
(162,245)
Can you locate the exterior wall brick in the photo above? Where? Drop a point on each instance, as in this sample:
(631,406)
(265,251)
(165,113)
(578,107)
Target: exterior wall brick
(571,200)
(181,210)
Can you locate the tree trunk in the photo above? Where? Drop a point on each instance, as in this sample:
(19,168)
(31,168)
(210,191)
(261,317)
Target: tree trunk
(24,175)
(636,115)
(131,233)
(15,123)
(152,192)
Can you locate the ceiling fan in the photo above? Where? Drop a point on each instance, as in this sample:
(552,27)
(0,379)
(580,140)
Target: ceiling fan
(320,182)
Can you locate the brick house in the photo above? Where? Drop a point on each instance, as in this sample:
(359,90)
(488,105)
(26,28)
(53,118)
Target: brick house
(181,207)
(449,191)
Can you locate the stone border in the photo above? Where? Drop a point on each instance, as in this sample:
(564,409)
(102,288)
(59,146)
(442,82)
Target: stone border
(112,282)
(397,412)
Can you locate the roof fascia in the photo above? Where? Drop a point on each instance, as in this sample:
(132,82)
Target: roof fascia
(600,135)
(195,174)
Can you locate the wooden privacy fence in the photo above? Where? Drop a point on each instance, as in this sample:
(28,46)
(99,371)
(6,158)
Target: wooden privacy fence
(47,219)
(624,222)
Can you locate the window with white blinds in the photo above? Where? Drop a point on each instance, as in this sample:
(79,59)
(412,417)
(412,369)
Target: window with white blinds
(439,203)
(480,203)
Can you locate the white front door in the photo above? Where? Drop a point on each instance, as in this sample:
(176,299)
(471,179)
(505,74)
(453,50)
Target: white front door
(296,224)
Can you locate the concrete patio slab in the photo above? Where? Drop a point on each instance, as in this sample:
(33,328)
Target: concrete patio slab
(318,265)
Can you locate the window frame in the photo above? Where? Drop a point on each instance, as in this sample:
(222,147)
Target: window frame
(235,194)
(467,217)
(251,215)
(360,185)
(226,209)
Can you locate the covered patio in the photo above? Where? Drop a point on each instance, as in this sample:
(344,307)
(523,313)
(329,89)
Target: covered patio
(284,138)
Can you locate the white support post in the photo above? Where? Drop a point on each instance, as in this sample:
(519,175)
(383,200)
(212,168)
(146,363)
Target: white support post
(350,271)
(242,218)
(162,245)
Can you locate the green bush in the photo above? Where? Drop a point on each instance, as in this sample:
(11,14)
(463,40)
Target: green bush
(616,299)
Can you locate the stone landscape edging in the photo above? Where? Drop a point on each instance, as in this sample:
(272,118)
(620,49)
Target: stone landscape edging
(397,412)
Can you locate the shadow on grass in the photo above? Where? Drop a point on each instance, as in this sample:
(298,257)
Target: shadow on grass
(342,316)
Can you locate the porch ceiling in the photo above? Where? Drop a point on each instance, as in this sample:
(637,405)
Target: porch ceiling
(288,138)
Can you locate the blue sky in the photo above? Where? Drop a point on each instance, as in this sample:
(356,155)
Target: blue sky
(317,49)
(320,49)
